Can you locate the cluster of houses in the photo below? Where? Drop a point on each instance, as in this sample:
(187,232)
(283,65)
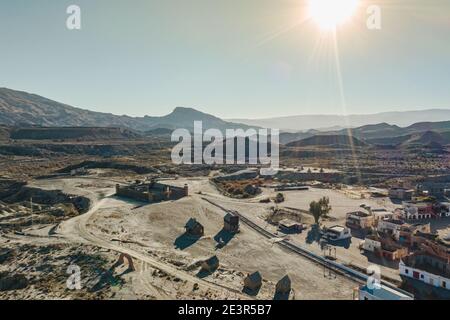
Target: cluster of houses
(253,282)
(437,189)
(428,201)
(195,229)
(421,254)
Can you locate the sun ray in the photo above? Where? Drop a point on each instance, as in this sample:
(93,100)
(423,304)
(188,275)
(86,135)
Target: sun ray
(343,104)
(281,31)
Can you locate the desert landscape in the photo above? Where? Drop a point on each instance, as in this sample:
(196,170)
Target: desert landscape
(242,155)
(110,202)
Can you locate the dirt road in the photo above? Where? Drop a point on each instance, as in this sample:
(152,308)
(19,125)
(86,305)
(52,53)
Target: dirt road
(75,229)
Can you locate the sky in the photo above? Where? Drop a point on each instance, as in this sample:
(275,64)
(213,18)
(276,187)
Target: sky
(230,58)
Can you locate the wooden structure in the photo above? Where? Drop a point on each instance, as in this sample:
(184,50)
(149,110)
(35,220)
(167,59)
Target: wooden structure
(152,191)
(231,223)
(253,281)
(194,228)
(288,226)
(283,286)
(211,264)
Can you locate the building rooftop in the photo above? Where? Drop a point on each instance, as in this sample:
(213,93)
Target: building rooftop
(212,261)
(424,262)
(288,223)
(429,236)
(192,223)
(230,216)
(390,247)
(386,293)
(285,281)
(359,214)
(336,229)
(152,185)
(395,221)
(255,277)
(417,204)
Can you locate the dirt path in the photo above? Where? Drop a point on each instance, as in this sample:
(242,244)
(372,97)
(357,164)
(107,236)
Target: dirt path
(75,229)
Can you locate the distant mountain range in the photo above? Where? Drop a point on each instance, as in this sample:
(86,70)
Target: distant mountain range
(433,134)
(328,140)
(324,122)
(19,108)
(29,116)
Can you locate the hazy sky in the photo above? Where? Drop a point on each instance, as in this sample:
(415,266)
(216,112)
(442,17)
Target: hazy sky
(231,58)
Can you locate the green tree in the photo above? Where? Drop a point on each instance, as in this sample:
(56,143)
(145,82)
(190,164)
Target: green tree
(279,198)
(314,209)
(319,209)
(325,205)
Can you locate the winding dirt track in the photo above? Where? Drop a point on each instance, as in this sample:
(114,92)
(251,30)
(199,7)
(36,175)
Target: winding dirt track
(75,229)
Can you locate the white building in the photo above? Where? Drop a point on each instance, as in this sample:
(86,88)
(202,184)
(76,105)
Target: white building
(418,211)
(336,233)
(371,244)
(426,268)
(380,215)
(382,293)
(390,226)
(359,220)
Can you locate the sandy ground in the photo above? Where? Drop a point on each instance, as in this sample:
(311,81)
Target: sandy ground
(145,282)
(167,262)
(158,230)
(342,202)
(44,264)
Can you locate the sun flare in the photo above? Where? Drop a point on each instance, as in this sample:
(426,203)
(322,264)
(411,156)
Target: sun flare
(328,14)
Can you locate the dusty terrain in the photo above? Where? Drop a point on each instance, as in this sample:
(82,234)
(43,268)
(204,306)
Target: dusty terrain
(167,263)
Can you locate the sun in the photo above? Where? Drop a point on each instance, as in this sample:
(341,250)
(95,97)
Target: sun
(328,14)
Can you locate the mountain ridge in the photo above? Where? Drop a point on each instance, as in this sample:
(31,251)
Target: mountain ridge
(328,140)
(307,122)
(20,108)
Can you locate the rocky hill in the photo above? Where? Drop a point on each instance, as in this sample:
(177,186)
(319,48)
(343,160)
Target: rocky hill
(328,140)
(306,122)
(70,133)
(21,109)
